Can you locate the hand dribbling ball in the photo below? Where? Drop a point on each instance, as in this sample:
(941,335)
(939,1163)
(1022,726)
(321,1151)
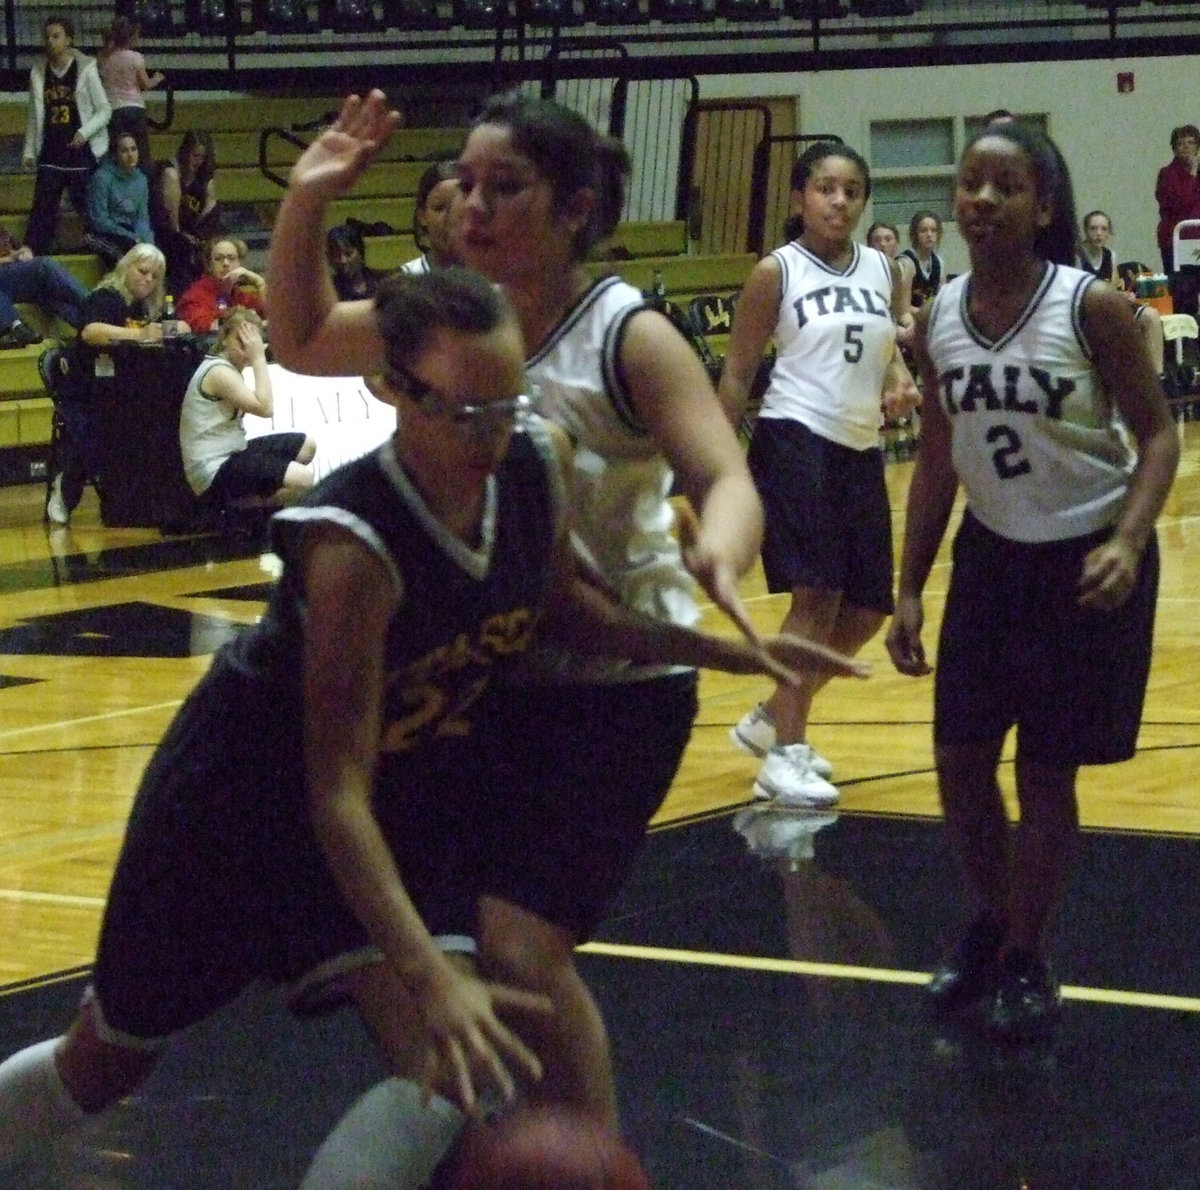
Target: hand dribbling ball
(544,1148)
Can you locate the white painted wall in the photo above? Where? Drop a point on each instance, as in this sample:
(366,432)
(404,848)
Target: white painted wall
(1113,143)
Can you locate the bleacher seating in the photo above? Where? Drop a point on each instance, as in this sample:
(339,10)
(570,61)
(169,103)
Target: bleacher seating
(382,202)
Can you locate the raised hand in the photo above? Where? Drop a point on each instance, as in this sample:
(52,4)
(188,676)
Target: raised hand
(330,166)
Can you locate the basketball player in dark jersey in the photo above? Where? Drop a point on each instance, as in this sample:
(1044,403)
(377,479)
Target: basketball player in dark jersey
(329,748)
(66,130)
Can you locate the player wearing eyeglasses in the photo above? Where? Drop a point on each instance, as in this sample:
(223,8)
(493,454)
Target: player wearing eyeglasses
(312,816)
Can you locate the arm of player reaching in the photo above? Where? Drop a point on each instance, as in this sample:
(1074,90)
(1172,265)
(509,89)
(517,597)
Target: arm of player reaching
(349,601)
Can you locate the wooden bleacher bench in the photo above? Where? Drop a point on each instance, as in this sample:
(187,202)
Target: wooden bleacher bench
(397,213)
(388,179)
(644,238)
(241,148)
(388,253)
(683,277)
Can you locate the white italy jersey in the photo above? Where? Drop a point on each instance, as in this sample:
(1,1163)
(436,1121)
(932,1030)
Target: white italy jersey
(622,515)
(1034,436)
(210,429)
(834,339)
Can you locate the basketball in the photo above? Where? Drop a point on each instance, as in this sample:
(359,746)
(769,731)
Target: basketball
(545,1148)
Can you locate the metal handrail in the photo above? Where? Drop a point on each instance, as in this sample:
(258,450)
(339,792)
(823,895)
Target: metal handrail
(289,135)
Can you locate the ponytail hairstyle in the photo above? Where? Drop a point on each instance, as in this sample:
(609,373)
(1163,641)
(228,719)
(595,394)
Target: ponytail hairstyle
(803,170)
(571,155)
(1057,241)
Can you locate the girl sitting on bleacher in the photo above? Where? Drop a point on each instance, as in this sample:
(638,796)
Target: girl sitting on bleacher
(226,283)
(183,207)
(118,203)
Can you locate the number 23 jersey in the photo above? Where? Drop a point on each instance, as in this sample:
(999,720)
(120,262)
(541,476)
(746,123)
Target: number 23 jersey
(834,339)
(1034,435)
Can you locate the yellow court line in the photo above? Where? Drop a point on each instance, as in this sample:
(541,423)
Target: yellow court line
(61,724)
(699,958)
(36,898)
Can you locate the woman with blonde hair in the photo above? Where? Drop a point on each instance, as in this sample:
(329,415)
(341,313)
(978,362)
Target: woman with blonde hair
(124,308)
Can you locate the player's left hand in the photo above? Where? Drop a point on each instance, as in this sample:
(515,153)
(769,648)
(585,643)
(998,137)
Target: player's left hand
(789,659)
(713,572)
(334,161)
(1108,576)
(901,398)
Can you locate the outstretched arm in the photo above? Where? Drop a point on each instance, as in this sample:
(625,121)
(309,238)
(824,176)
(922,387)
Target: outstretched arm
(583,613)
(590,622)
(311,331)
(676,402)
(349,602)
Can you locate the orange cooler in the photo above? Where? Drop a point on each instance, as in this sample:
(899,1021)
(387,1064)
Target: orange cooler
(1152,291)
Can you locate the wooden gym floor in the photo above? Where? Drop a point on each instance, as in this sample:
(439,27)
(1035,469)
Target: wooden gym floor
(760,973)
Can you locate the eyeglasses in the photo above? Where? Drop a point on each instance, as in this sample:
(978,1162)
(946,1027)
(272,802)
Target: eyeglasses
(483,422)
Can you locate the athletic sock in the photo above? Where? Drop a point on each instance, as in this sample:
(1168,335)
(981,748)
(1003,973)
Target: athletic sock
(36,1110)
(388,1140)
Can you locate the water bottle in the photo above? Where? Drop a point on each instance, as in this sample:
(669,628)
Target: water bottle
(170,329)
(658,290)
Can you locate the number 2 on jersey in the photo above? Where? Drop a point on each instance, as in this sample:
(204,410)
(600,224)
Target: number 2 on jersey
(1007,457)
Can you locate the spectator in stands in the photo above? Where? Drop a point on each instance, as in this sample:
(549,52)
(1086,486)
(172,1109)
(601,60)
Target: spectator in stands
(118,203)
(346,252)
(1178,194)
(1094,255)
(124,76)
(227,282)
(40,281)
(224,468)
(925,269)
(886,237)
(183,208)
(123,308)
(431,219)
(66,130)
